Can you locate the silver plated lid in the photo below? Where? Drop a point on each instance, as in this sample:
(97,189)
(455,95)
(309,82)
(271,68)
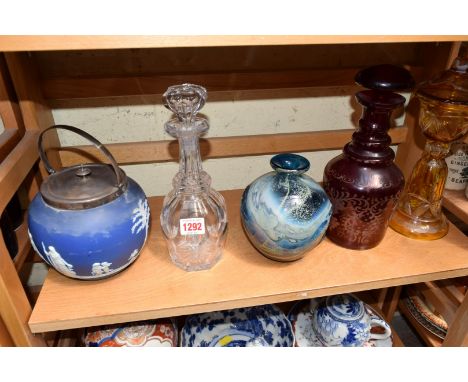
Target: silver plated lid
(83,186)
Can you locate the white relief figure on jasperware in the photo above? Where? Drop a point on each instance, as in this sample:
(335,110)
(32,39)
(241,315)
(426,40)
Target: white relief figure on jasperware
(140,217)
(58,262)
(101,268)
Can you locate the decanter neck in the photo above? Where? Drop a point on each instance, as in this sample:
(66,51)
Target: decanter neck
(189,156)
(185,101)
(191,177)
(371,142)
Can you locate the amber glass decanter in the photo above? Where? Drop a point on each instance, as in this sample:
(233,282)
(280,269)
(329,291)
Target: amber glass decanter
(443,118)
(363,183)
(193,217)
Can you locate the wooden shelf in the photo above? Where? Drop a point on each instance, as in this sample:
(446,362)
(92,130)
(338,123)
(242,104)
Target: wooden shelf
(153,287)
(397,342)
(24,245)
(5,338)
(78,88)
(15,167)
(457,203)
(220,147)
(38,43)
(66,338)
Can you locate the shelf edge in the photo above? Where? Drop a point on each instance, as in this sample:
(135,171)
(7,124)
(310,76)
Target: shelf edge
(47,42)
(41,327)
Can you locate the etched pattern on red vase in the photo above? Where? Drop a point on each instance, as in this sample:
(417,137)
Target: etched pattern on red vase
(359,218)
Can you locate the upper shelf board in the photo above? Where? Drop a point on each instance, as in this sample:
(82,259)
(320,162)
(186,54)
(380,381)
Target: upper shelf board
(74,42)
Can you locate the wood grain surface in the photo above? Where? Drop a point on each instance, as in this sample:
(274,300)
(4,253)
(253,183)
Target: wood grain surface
(66,88)
(16,166)
(220,147)
(54,42)
(153,287)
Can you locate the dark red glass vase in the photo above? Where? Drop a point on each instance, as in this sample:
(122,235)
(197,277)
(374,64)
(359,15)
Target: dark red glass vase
(363,183)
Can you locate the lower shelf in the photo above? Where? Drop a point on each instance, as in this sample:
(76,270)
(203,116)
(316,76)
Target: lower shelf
(397,342)
(65,338)
(153,287)
(73,338)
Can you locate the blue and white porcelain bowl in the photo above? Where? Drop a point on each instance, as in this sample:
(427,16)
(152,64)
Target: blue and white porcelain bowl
(285,213)
(264,325)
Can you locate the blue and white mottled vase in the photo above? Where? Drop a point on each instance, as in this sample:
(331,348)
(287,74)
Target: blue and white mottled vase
(285,213)
(342,320)
(88,221)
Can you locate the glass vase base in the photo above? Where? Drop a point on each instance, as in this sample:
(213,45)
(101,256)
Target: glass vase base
(276,255)
(350,244)
(416,228)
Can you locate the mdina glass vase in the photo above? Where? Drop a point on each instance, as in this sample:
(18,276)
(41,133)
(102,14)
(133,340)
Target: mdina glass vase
(285,213)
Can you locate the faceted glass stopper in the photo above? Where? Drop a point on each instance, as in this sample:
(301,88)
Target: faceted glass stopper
(185,100)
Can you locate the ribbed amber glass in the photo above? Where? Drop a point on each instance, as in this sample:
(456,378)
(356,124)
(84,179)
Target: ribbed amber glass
(443,118)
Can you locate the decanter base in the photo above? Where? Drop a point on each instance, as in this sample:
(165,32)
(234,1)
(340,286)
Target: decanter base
(189,261)
(416,228)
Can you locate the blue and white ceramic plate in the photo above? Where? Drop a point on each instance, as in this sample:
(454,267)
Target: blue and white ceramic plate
(300,317)
(264,325)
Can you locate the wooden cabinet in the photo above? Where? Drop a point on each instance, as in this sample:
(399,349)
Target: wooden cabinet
(446,297)
(56,70)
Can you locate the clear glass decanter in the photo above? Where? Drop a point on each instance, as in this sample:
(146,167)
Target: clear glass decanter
(193,217)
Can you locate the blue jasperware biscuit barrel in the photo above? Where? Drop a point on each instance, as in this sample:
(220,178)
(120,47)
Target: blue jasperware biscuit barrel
(88,221)
(285,213)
